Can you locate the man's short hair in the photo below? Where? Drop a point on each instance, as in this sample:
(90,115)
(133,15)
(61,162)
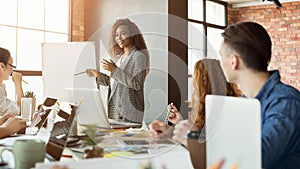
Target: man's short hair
(251,42)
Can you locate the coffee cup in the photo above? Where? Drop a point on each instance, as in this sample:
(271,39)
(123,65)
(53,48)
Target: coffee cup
(27,152)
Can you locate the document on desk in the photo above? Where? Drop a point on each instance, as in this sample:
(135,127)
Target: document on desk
(42,135)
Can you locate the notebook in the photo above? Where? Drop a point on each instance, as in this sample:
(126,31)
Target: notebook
(233,132)
(91,109)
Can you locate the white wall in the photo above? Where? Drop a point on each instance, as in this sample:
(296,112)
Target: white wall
(152,19)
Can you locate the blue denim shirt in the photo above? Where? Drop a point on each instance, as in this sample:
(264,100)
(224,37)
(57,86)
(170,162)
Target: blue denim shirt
(280,123)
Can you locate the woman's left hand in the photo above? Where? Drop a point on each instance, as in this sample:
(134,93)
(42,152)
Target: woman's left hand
(108,65)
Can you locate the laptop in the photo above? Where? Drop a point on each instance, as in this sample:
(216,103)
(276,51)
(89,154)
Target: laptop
(39,120)
(63,134)
(92,112)
(54,138)
(233,132)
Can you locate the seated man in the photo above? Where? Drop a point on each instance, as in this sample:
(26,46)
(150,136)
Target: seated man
(245,56)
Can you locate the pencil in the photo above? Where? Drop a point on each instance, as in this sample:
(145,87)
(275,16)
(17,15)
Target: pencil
(80,101)
(25,82)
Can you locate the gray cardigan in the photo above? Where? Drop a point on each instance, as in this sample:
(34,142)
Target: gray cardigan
(126,96)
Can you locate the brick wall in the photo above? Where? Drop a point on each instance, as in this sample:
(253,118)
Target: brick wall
(77,20)
(284,28)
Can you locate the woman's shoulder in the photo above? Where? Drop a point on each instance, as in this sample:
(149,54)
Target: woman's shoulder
(138,54)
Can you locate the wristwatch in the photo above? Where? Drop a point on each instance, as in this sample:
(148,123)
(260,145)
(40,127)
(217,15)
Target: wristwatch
(194,134)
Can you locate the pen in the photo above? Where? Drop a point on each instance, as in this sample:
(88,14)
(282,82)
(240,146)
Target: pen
(22,79)
(80,101)
(76,74)
(25,82)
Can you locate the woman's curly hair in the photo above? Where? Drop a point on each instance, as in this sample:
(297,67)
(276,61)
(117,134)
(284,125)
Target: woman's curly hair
(202,87)
(136,36)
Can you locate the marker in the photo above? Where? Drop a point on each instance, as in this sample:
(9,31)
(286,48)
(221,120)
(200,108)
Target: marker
(76,74)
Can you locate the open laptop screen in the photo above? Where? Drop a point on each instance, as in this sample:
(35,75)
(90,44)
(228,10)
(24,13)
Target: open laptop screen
(61,132)
(92,111)
(233,131)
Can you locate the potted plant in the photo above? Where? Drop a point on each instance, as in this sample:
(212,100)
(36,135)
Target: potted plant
(92,138)
(29,94)
(28,105)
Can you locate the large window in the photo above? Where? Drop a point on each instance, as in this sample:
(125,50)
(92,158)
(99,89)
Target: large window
(24,26)
(206,20)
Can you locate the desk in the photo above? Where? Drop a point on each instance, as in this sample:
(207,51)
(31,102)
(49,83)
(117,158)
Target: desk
(175,158)
(167,156)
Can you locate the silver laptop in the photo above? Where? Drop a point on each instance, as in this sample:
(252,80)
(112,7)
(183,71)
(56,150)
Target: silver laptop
(92,111)
(233,132)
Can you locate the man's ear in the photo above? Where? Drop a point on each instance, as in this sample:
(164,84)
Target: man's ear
(234,61)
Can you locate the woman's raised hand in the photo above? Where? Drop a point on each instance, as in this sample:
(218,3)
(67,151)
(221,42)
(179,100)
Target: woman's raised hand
(108,65)
(16,77)
(174,115)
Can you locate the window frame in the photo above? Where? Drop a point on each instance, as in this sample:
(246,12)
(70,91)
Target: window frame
(68,34)
(207,25)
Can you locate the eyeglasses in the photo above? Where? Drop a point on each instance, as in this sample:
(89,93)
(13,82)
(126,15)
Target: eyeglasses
(14,67)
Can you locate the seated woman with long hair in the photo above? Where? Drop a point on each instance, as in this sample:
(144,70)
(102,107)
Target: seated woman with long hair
(208,79)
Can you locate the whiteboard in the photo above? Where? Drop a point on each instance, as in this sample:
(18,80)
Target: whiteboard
(61,61)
